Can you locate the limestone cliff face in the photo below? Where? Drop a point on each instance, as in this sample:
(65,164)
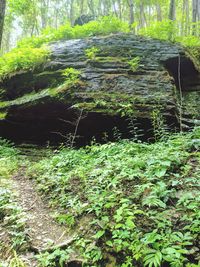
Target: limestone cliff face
(39,106)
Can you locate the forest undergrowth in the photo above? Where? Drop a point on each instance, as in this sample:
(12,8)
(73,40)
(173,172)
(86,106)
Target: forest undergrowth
(128,203)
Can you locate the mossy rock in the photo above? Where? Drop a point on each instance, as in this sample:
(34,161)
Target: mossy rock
(106,86)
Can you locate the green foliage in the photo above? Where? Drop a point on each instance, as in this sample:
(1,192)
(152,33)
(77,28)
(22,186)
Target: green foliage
(134,63)
(66,219)
(163,30)
(141,199)
(57,258)
(169,30)
(153,258)
(12,217)
(91,53)
(102,26)
(22,58)
(31,52)
(8,159)
(71,76)
(16,261)
(159,126)
(12,222)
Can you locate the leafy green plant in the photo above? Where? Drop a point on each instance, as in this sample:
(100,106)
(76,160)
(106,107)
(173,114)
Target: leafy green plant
(134,63)
(103,25)
(66,219)
(91,53)
(169,30)
(13,217)
(56,258)
(22,58)
(159,127)
(33,51)
(16,261)
(71,76)
(8,159)
(153,258)
(127,197)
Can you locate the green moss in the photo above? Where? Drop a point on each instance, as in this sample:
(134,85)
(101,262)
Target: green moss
(194,54)
(104,59)
(3,115)
(116,103)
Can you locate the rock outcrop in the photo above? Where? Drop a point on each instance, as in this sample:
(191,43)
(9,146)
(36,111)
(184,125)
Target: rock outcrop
(40,105)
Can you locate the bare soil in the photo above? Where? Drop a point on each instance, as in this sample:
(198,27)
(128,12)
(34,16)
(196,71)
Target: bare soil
(44,232)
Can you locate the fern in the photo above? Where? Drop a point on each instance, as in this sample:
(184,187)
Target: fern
(153,258)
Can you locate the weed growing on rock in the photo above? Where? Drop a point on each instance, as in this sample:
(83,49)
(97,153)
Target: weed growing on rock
(71,76)
(91,53)
(134,63)
(22,59)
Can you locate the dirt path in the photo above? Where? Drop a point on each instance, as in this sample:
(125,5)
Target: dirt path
(45,234)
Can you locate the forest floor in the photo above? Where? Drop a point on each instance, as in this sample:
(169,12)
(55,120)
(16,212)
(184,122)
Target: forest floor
(45,234)
(119,204)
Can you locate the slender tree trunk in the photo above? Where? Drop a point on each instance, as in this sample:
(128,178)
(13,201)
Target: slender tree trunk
(159,12)
(81,7)
(120,8)
(91,7)
(44,13)
(194,11)
(131,13)
(187,15)
(172,10)
(2,17)
(55,23)
(198,10)
(142,16)
(107,8)
(195,15)
(72,12)
(99,9)
(114,8)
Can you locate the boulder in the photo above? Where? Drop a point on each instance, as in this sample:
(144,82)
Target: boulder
(83,19)
(112,96)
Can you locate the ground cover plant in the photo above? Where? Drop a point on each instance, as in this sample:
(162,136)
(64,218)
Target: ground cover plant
(130,203)
(12,221)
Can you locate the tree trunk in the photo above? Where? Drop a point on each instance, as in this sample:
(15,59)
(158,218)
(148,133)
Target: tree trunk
(131,13)
(159,12)
(172,10)
(2,17)
(195,14)
(114,8)
(187,14)
(120,8)
(91,7)
(72,12)
(142,15)
(198,10)
(81,7)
